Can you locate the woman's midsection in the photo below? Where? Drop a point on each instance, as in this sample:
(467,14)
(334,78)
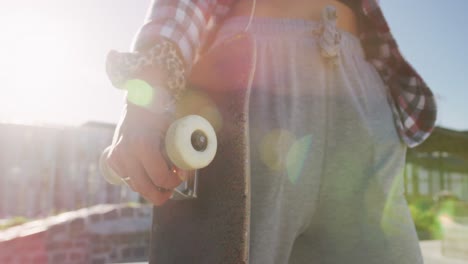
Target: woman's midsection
(301,9)
(288,58)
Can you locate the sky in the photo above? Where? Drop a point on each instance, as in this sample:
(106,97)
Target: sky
(52,55)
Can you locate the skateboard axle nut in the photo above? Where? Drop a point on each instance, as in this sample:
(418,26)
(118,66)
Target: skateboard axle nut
(199,140)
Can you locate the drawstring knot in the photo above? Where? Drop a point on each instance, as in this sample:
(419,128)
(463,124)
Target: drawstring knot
(329,36)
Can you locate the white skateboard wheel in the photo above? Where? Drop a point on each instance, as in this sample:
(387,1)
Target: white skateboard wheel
(191,142)
(107,172)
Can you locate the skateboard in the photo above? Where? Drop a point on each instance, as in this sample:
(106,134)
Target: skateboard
(207,218)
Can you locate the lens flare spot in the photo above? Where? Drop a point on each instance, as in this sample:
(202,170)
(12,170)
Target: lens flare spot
(139,92)
(445,220)
(296,157)
(198,103)
(212,114)
(273,148)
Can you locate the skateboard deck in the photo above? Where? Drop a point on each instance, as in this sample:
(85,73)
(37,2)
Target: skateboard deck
(214,227)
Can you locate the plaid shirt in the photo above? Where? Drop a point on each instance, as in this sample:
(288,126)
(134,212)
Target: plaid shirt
(186,23)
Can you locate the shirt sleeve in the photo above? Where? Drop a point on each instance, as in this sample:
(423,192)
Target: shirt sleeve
(183,22)
(413,103)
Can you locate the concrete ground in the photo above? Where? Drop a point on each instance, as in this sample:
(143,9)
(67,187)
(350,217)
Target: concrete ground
(431,252)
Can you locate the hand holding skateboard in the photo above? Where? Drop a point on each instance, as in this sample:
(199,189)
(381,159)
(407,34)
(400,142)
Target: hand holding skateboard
(153,165)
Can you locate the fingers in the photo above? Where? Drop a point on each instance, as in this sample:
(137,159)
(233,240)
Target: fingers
(141,183)
(145,166)
(136,154)
(161,173)
(113,160)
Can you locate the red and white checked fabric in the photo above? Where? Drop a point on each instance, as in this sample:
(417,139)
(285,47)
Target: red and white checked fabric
(414,105)
(187,22)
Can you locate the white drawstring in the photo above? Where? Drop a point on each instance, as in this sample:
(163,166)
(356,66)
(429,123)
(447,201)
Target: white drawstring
(252,13)
(330,37)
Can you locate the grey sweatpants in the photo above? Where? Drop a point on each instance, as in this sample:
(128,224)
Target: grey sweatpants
(326,159)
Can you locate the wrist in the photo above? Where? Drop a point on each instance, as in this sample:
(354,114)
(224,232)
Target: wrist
(141,117)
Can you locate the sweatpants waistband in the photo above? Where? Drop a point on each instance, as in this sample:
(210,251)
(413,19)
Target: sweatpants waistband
(288,29)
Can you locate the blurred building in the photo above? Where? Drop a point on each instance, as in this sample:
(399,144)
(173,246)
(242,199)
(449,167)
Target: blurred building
(46,170)
(439,165)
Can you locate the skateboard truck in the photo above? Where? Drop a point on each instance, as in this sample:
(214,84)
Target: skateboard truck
(190,144)
(188,188)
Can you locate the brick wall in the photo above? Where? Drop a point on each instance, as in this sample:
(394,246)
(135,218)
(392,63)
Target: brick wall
(100,234)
